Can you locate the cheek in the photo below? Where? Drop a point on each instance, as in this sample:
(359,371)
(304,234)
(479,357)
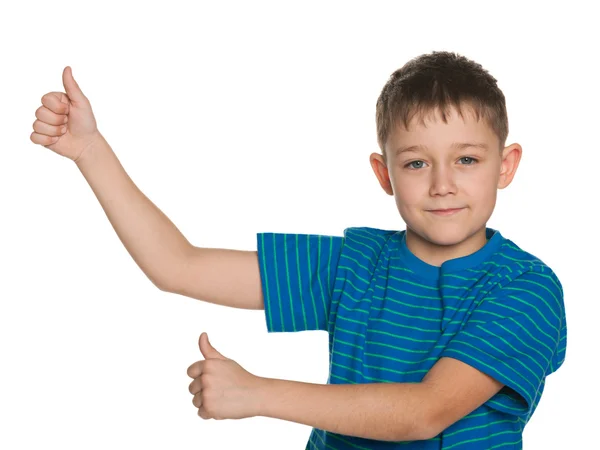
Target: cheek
(483,190)
(408,192)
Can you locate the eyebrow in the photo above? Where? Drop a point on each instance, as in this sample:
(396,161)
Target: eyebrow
(456,146)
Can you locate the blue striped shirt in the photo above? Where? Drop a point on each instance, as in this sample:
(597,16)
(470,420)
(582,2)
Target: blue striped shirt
(390,316)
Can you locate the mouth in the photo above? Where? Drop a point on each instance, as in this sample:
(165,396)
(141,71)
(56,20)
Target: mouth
(445,212)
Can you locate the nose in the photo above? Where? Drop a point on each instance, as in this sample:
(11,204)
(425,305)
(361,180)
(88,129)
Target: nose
(442,181)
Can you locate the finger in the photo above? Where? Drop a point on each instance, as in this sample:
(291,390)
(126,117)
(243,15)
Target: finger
(195,386)
(42,139)
(72,87)
(49,130)
(197,400)
(206,348)
(57,102)
(45,115)
(202,413)
(195,369)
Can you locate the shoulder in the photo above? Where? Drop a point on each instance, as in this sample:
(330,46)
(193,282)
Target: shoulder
(365,247)
(371,242)
(518,264)
(530,286)
(368,234)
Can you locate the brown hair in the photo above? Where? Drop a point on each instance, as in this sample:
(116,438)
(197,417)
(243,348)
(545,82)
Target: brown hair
(440,80)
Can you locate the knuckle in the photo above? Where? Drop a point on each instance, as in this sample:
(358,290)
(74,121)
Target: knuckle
(205,380)
(47,100)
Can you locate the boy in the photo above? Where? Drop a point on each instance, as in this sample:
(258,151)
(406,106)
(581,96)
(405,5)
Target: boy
(440,335)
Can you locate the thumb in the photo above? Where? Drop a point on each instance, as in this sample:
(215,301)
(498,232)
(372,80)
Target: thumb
(207,350)
(72,88)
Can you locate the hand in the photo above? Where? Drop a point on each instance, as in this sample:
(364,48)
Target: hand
(71,111)
(222,389)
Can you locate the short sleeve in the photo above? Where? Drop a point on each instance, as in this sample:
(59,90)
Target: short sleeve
(297,275)
(517,335)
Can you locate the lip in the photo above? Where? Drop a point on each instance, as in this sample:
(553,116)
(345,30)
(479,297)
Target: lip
(445,212)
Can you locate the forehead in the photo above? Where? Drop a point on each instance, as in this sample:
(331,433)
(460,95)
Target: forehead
(428,129)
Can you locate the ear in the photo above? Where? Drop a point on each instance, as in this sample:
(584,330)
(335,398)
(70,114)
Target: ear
(511,156)
(381,172)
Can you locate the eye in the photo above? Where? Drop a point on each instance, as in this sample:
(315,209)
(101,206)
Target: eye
(468,160)
(410,165)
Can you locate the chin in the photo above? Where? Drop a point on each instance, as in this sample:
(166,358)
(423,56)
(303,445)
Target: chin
(443,236)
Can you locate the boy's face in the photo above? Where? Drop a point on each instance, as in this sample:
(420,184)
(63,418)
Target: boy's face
(439,172)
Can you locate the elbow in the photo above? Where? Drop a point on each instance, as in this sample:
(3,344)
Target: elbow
(168,278)
(433,422)
(428,430)
(426,420)
(163,280)
(162,287)
(421,430)
(160,284)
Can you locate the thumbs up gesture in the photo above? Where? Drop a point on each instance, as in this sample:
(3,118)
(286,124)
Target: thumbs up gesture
(65,122)
(222,389)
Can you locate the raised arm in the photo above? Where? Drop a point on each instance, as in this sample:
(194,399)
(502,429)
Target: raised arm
(225,277)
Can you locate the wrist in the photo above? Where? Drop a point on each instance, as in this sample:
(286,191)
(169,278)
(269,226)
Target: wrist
(90,147)
(264,391)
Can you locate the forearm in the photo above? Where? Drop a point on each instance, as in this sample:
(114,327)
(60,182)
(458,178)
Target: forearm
(381,411)
(151,239)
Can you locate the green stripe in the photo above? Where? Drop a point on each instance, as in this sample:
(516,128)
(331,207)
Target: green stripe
(492,369)
(522,342)
(519,312)
(478,427)
(530,304)
(439,346)
(321,284)
(405,326)
(486,438)
(353,248)
(329,269)
(498,404)
(461,278)
(277,281)
(535,375)
(391,311)
(385,333)
(287,276)
(354,309)
(300,281)
(379,243)
(312,294)
(400,372)
(267,297)
(558,302)
(431,358)
(350,269)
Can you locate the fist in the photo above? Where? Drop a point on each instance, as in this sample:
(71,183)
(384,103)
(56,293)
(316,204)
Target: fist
(222,389)
(65,122)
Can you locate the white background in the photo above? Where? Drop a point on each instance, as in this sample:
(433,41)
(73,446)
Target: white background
(242,118)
